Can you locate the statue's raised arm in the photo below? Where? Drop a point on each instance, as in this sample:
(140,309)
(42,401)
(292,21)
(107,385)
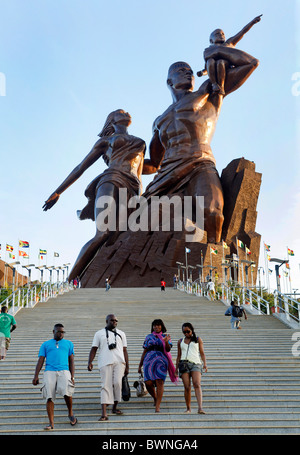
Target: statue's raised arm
(98,150)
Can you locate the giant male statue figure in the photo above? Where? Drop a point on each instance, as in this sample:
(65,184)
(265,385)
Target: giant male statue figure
(180,150)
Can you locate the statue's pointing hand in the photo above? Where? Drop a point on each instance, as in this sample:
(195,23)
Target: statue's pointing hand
(51,201)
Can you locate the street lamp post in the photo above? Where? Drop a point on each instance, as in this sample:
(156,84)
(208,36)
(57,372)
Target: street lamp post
(14,272)
(51,268)
(280,262)
(57,271)
(259,281)
(180,265)
(67,267)
(191,273)
(40,268)
(29,273)
(248,264)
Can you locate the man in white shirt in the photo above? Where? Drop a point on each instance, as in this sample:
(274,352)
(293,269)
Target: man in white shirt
(112,363)
(211,289)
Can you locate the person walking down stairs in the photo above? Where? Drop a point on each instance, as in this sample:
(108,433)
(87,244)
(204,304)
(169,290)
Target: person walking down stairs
(59,373)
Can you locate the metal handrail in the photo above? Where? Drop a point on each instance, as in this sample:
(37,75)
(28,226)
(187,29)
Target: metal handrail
(284,304)
(29,297)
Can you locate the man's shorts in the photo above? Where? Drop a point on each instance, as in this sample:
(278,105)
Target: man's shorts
(5,342)
(57,382)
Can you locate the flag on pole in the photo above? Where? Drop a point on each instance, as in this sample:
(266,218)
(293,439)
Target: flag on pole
(270,271)
(224,245)
(9,248)
(43,252)
(23,254)
(268,257)
(213,251)
(291,252)
(240,244)
(267,247)
(56,255)
(12,256)
(286,274)
(23,244)
(247,250)
(187,250)
(287,265)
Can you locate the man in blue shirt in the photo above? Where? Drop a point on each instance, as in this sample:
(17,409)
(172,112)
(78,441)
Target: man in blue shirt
(59,373)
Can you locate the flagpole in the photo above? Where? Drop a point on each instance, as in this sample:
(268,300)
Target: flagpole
(238,256)
(223,260)
(289,270)
(267,269)
(201,267)
(186,265)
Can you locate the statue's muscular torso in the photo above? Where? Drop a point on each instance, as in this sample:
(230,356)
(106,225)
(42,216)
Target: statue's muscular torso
(187,125)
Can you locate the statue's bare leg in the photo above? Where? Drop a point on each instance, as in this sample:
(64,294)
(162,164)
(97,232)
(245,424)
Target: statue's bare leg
(106,209)
(212,74)
(221,67)
(208,184)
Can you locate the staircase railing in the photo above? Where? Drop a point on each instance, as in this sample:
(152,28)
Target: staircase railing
(283,304)
(285,308)
(29,297)
(246,297)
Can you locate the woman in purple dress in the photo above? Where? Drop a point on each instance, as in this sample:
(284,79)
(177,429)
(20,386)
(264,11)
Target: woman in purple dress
(157,361)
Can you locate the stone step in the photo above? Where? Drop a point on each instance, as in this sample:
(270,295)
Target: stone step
(257,361)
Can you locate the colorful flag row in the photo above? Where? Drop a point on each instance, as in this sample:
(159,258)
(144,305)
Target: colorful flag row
(25,244)
(240,244)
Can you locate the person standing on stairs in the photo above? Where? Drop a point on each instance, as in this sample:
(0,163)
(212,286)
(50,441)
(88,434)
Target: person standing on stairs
(156,361)
(112,363)
(59,373)
(191,363)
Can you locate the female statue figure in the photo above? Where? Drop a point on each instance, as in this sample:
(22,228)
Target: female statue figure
(124,155)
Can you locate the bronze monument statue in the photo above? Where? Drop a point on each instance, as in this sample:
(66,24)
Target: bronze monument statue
(124,154)
(216,69)
(180,148)
(181,157)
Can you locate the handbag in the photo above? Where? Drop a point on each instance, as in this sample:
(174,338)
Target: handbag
(140,387)
(125,389)
(183,366)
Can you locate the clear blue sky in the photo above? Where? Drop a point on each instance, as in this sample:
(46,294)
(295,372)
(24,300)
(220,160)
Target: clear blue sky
(68,64)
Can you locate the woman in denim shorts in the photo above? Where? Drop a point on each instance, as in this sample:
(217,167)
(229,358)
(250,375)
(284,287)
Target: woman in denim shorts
(190,364)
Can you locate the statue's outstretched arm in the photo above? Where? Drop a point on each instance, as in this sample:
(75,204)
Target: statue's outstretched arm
(236,38)
(99,149)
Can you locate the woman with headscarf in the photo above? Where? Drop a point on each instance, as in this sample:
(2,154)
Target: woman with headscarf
(157,361)
(124,156)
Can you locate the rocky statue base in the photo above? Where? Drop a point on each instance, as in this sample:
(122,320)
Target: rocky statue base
(142,259)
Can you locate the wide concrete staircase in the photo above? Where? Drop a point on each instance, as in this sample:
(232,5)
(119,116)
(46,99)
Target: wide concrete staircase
(252,385)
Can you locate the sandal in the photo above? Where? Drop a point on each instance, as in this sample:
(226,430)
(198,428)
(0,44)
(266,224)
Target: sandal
(73,420)
(102,418)
(118,412)
(49,427)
